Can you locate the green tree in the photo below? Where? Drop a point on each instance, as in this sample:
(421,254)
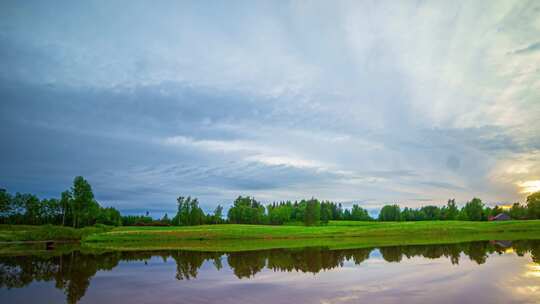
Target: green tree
(189,213)
(474,210)
(451,212)
(84,210)
(108,216)
(5,205)
(359,214)
(184,211)
(463,216)
(337,210)
(15,214)
(326,212)
(299,209)
(431,213)
(533,205)
(165,219)
(135,220)
(279,214)
(51,211)
(93,212)
(31,207)
(312,213)
(196,214)
(407,214)
(246,210)
(66,200)
(518,211)
(83,197)
(390,213)
(217,217)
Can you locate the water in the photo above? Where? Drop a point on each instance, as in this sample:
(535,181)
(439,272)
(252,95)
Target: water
(477,272)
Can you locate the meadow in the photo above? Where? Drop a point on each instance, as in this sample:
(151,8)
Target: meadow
(237,237)
(35,233)
(336,234)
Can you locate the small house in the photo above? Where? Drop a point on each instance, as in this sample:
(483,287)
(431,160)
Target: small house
(501,217)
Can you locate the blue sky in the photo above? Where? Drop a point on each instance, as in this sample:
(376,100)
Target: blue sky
(354,101)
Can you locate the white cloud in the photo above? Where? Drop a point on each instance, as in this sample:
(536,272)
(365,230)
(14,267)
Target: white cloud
(213,145)
(349,100)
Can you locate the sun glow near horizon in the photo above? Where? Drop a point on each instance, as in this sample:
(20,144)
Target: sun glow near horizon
(529,187)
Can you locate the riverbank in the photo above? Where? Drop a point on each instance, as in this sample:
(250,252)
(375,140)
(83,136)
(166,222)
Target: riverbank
(337,234)
(30,233)
(233,237)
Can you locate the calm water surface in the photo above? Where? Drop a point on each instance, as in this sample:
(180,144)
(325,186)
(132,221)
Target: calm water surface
(477,272)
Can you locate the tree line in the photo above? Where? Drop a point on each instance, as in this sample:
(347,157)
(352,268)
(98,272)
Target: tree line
(474,210)
(77,207)
(246,210)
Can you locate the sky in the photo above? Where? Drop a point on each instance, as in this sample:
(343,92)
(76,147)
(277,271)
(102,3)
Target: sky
(371,102)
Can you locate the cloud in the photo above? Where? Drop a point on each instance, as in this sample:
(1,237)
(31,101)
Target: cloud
(528,49)
(351,101)
(211,145)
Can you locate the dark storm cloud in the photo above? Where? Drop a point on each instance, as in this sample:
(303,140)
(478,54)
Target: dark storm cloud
(109,136)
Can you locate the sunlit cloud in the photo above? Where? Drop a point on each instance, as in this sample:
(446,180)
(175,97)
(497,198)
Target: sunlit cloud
(529,186)
(533,270)
(387,102)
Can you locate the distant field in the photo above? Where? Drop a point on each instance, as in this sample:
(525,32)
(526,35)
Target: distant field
(336,234)
(15,233)
(233,237)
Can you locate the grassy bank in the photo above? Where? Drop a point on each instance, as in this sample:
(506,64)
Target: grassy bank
(25,233)
(339,234)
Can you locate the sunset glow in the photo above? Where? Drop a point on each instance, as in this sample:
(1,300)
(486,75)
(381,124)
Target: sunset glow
(529,186)
(533,271)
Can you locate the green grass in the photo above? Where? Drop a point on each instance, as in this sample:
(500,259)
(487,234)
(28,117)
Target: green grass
(25,233)
(337,234)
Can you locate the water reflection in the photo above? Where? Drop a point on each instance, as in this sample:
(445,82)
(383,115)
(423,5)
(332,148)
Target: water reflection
(72,272)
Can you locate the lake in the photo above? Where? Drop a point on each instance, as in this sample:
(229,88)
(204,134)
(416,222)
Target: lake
(475,272)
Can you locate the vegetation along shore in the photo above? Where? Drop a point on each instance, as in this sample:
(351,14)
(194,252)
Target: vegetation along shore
(249,224)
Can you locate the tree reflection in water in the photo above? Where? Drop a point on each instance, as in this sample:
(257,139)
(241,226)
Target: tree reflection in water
(73,271)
